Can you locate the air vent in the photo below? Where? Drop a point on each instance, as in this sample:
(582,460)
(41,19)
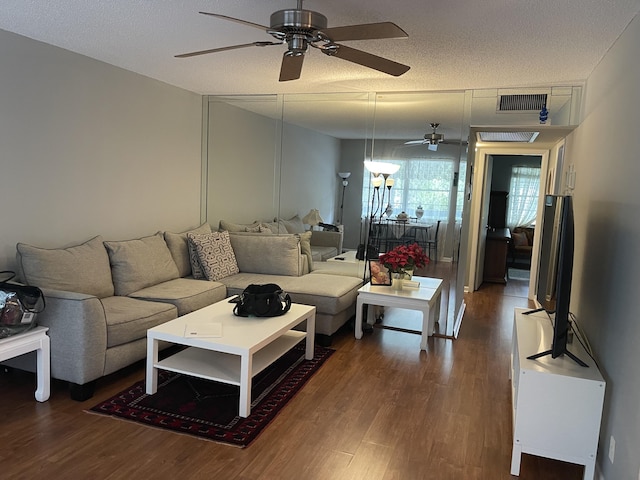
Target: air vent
(522,103)
(518,137)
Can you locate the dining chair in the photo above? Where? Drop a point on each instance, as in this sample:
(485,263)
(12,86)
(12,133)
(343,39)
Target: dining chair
(433,243)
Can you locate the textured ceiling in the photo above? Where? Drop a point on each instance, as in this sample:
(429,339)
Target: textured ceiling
(452,44)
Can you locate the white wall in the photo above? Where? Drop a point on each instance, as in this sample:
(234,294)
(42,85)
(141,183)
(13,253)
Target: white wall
(605,295)
(87,148)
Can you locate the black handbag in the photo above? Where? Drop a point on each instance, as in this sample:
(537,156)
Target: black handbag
(268,300)
(19,306)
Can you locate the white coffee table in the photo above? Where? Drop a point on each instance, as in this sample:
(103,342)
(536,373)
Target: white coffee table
(247,346)
(34,340)
(426,299)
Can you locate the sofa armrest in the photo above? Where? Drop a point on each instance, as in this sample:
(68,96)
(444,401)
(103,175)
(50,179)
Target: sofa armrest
(78,333)
(321,238)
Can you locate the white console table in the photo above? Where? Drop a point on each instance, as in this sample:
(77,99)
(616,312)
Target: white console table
(557,404)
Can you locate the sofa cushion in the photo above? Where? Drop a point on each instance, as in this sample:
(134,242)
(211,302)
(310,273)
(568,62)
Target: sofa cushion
(305,248)
(224,225)
(215,254)
(128,319)
(187,294)
(179,248)
(330,294)
(293,225)
(82,268)
(322,254)
(140,263)
(268,254)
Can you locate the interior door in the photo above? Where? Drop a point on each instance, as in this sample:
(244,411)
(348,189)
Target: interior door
(484,220)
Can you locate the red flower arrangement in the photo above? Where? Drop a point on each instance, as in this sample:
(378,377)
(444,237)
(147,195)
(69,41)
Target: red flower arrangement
(404,257)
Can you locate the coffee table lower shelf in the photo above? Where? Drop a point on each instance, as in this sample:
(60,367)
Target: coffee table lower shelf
(226,367)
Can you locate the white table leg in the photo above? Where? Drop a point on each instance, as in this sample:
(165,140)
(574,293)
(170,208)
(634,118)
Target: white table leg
(358,325)
(311,334)
(152,371)
(246,364)
(426,332)
(44,369)
(516,453)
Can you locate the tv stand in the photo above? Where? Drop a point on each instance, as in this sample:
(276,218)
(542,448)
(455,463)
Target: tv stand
(550,352)
(556,404)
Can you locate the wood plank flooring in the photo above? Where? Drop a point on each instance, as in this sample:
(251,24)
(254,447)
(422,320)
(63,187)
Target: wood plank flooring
(378,409)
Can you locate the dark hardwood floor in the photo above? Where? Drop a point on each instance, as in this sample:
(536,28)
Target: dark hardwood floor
(378,409)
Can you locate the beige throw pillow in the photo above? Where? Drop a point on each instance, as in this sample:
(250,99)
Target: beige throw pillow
(82,268)
(140,263)
(215,254)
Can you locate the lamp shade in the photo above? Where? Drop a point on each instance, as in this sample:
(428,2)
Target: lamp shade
(312,218)
(378,168)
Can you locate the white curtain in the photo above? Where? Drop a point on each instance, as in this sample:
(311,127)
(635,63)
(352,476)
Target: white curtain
(523,196)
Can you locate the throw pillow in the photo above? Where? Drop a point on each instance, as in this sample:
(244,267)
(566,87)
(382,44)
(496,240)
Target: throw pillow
(215,254)
(194,262)
(235,227)
(305,248)
(519,239)
(140,263)
(82,268)
(179,248)
(293,225)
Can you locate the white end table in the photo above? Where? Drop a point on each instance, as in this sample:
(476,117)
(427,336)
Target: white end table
(34,340)
(425,299)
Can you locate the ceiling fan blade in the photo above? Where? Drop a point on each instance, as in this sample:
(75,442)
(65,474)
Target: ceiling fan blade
(291,66)
(222,49)
(368,60)
(415,142)
(237,20)
(366,31)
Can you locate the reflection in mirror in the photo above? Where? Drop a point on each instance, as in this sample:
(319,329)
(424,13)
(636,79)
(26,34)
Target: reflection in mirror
(270,156)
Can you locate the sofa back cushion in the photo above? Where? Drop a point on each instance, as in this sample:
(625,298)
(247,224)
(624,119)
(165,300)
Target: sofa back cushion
(268,254)
(140,263)
(293,225)
(179,248)
(82,268)
(215,255)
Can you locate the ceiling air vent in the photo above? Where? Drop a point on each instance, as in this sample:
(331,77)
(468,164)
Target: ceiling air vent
(518,137)
(522,102)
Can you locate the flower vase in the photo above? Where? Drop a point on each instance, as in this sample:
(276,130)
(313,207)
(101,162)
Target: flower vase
(408,274)
(396,280)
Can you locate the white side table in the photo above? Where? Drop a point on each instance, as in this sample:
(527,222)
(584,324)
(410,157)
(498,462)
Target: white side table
(34,340)
(425,299)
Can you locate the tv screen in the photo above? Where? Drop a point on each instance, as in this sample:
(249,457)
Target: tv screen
(555,271)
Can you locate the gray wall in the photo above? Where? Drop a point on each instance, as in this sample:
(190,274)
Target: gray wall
(607,260)
(260,167)
(88,149)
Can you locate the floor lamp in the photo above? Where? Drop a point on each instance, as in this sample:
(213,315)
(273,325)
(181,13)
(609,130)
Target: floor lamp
(345,182)
(381,172)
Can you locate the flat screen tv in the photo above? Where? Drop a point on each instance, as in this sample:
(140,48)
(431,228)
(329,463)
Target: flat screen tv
(555,271)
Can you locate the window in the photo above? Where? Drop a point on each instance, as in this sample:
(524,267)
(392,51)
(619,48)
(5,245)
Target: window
(523,196)
(419,182)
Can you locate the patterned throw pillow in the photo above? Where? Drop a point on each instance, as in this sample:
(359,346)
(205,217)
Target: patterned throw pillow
(194,260)
(215,254)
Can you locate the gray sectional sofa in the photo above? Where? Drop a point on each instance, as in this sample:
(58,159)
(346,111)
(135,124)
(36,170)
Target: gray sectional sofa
(102,296)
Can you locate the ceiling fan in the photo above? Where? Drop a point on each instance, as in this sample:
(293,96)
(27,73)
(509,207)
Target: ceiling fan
(300,28)
(430,139)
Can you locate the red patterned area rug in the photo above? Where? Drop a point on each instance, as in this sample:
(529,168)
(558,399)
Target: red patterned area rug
(209,410)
